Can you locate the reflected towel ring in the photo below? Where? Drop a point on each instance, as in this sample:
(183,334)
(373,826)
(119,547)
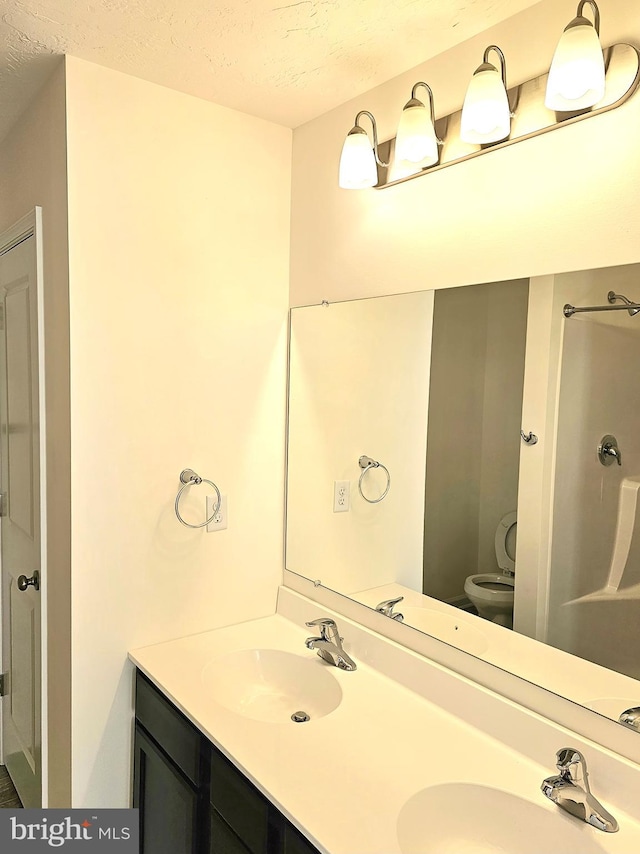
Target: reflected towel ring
(188,477)
(366,464)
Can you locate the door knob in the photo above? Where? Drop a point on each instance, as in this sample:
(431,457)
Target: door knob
(24,582)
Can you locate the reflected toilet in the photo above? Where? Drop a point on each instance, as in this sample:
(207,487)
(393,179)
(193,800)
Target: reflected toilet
(492,592)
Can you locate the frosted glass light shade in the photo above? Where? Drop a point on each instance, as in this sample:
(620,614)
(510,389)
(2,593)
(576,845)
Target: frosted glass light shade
(576,76)
(416,140)
(357,162)
(486,116)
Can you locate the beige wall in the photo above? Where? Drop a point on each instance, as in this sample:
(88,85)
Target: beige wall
(33,172)
(359,385)
(179,254)
(564,201)
(502,412)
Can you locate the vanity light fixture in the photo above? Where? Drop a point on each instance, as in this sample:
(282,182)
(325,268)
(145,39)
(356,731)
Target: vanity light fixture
(416,140)
(572,91)
(486,115)
(358,161)
(577,73)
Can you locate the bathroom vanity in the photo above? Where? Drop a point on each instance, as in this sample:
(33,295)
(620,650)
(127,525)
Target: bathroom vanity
(192,798)
(400,756)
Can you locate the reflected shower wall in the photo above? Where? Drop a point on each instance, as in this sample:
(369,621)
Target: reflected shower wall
(599,394)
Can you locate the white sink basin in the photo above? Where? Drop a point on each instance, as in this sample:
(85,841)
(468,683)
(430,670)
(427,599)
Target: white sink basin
(270,685)
(463,818)
(445,627)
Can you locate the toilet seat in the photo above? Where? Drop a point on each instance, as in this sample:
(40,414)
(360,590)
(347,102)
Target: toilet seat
(505,542)
(498,590)
(492,593)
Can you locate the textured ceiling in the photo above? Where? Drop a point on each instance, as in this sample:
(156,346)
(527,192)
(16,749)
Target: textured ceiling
(281,60)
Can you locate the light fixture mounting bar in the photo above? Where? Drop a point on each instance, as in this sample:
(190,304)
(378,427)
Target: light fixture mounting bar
(530,117)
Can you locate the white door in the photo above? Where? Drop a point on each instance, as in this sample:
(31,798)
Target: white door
(20,520)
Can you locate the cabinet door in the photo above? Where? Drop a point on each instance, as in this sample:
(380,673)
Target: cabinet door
(222,839)
(244,809)
(295,842)
(167,801)
(177,736)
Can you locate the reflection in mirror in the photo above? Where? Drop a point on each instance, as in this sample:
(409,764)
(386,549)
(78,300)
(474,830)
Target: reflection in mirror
(480,530)
(473,446)
(359,385)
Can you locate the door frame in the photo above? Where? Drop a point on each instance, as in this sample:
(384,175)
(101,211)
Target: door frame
(536,494)
(31,225)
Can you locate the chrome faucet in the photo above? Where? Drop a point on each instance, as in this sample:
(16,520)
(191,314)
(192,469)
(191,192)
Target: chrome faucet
(570,791)
(329,644)
(386,608)
(631,718)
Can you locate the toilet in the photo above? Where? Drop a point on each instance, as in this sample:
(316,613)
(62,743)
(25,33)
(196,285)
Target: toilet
(492,592)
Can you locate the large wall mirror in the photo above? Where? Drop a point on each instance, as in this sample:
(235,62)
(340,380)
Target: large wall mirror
(474,453)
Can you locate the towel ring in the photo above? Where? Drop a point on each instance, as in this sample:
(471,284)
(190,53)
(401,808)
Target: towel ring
(188,477)
(366,464)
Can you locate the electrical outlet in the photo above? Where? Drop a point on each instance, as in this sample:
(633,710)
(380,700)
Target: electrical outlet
(341,496)
(220,520)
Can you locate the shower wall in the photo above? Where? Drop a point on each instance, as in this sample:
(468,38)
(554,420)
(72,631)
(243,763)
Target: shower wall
(473,444)
(598,395)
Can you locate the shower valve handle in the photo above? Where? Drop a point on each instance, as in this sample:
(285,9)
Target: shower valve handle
(608,451)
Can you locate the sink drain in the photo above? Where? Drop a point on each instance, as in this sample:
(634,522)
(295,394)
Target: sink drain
(300,717)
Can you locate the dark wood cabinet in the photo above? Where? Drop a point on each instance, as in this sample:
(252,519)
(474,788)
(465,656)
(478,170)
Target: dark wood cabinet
(192,799)
(295,842)
(167,801)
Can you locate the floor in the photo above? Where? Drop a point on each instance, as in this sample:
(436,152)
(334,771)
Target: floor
(8,796)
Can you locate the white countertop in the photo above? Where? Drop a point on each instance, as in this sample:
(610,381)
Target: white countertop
(344,778)
(592,686)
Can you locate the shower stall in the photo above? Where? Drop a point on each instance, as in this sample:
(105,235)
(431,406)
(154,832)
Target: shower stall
(587,600)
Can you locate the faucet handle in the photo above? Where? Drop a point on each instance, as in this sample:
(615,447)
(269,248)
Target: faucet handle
(328,628)
(572,766)
(386,608)
(631,718)
(323,622)
(608,451)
